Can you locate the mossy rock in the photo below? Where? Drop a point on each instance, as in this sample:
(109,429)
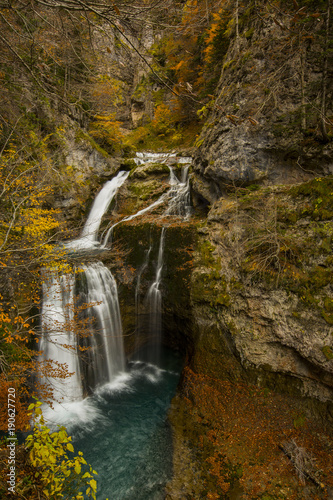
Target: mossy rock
(128,164)
(150,169)
(149,190)
(210,287)
(328,352)
(319,192)
(328,304)
(206,249)
(83,136)
(327,317)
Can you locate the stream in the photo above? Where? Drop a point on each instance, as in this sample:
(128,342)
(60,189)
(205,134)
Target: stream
(123,432)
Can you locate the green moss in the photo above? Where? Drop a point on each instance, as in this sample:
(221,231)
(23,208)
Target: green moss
(158,96)
(232,328)
(319,277)
(327,317)
(149,170)
(83,136)
(150,190)
(328,304)
(248,34)
(326,245)
(147,137)
(222,299)
(328,352)
(210,287)
(128,164)
(299,421)
(207,258)
(141,89)
(319,196)
(246,57)
(12,352)
(229,64)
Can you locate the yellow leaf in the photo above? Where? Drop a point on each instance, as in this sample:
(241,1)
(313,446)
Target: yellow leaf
(70,447)
(77,467)
(93,484)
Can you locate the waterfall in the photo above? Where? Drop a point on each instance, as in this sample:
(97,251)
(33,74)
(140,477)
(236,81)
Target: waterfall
(59,340)
(178,197)
(105,356)
(101,204)
(179,194)
(96,357)
(89,234)
(178,203)
(142,158)
(64,337)
(128,218)
(138,323)
(154,306)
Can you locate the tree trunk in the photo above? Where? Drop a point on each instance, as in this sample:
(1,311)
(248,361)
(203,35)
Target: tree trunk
(237,27)
(325,71)
(303,104)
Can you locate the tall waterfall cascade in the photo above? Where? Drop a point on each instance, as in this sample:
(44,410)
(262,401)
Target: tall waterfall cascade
(97,357)
(154,302)
(178,203)
(105,354)
(59,341)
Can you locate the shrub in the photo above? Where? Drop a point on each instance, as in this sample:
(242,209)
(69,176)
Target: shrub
(61,477)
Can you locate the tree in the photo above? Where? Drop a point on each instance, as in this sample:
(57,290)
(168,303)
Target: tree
(327,44)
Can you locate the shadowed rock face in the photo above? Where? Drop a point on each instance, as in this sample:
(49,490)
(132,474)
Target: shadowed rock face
(264,123)
(261,290)
(253,300)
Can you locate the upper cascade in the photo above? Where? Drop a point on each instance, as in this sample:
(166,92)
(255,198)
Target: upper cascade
(142,158)
(100,205)
(179,194)
(89,234)
(177,198)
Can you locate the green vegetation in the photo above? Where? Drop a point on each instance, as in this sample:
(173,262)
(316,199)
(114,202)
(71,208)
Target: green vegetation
(208,284)
(328,352)
(84,136)
(58,475)
(318,198)
(161,137)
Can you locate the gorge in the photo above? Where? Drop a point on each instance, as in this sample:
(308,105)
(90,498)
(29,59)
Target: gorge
(101,387)
(166,244)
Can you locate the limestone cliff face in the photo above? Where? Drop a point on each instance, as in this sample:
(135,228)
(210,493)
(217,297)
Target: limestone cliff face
(264,124)
(262,290)
(262,287)
(82,167)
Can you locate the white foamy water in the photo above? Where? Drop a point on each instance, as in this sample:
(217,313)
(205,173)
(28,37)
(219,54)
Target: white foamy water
(89,234)
(82,414)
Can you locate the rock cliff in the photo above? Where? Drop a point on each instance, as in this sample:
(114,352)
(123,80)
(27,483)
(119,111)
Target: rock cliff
(263,274)
(265,120)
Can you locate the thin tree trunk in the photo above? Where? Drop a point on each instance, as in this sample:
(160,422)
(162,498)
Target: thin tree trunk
(303,104)
(237,27)
(325,71)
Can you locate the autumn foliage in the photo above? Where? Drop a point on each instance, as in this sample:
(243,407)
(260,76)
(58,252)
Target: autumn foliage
(237,431)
